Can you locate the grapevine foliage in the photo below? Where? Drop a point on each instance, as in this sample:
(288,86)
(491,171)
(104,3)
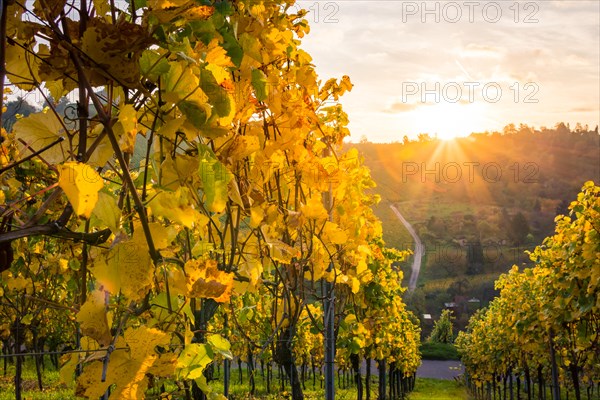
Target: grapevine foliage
(181,198)
(553,307)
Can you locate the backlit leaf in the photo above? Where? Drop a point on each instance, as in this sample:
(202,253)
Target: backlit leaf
(92,318)
(175,206)
(39,130)
(81,183)
(259,82)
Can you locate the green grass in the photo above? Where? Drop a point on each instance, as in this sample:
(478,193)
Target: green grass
(430,389)
(425,388)
(394,233)
(438,389)
(53,389)
(438,351)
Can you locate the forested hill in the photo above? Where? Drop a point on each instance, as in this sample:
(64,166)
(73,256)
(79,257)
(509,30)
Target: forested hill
(477,203)
(520,167)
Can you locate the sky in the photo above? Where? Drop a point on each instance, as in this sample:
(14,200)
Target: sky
(449,68)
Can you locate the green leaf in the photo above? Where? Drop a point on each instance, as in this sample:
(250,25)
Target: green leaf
(215,179)
(152,65)
(26,320)
(216,94)
(194,113)
(259,82)
(193,359)
(137,3)
(220,345)
(231,45)
(251,46)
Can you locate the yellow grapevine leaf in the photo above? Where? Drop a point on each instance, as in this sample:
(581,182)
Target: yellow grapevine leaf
(93,319)
(167,10)
(113,50)
(175,206)
(199,13)
(169,129)
(346,84)
(206,281)
(104,151)
(125,268)
(256,216)
(102,7)
(220,73)
(19,283)
(220,345)
(49,9)
(251,269)
(56,89)
(281,252)
(39,130)
(127,128)
(333,234)
(20,64)
(81,183)
(68,369)
(128,369)
(193,360)
(217,55)
(314,209)
(107,211)
(162,236)
(183,85)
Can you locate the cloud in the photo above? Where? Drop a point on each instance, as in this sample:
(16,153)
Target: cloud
(474,50)
(399,107)
(370,44)
(573,60)
(583,109)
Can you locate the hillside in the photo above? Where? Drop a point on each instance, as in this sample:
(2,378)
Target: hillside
(478,202)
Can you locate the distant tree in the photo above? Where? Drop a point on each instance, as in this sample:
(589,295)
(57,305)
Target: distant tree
(442,329)
(562,129)
(525,129)
(469,218)
(436,225)
(537,206)
(485,230)
(459,287)
(519,228)
(581,128)
(475,258)
(405,140)
(13,109)
(61,106)
(431,223)
(509,129)
(562,208)
(364,139)
(504,219)
(416,302)
(424,137)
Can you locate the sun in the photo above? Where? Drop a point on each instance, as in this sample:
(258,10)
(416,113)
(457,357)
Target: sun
(450,120)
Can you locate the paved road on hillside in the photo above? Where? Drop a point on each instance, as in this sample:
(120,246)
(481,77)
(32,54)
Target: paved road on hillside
(418,253)
(429,369)
(440,369)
